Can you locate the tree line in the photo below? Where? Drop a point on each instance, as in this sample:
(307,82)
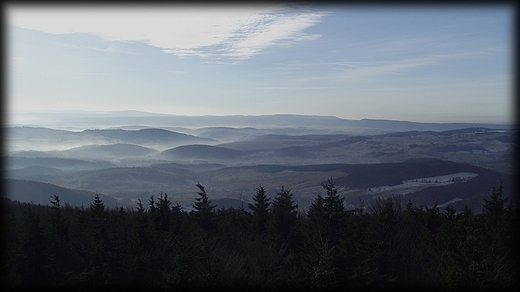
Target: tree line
(269,245)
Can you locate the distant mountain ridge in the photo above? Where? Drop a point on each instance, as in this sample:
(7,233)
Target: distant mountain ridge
(86,120)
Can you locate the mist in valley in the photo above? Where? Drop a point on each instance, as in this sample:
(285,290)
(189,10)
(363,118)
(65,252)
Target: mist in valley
(131,155)
(265,146)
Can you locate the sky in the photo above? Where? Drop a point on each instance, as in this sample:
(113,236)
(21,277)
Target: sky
(413,63)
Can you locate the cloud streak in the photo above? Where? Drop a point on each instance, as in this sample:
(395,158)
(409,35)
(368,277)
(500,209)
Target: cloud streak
(235,32)
(361,72)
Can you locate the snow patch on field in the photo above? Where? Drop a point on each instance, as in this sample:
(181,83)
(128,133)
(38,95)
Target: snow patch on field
(413,185)
(449,202)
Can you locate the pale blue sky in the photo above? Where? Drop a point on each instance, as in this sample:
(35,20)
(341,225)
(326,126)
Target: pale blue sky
(417,63)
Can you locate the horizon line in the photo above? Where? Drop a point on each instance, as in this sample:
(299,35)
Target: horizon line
(102,112)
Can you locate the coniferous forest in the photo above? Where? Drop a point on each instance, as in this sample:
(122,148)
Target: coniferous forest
(268,244)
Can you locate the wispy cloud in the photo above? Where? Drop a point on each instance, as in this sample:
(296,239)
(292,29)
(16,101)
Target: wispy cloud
(234,32)
(363,72)
(401,66)
(275,28)
(356,72)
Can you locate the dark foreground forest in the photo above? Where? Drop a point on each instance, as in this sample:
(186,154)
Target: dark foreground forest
(264,246)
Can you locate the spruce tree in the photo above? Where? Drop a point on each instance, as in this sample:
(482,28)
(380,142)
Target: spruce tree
(98,242)
(334,208)
(163,216)
(58,223)
(495,207)
(260,210)
(203,210)
(142,225)
(203,204)
(328,213)
(284,219)
(60,262)
(98,217)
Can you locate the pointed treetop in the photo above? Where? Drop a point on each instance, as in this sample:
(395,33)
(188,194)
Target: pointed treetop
(202,204)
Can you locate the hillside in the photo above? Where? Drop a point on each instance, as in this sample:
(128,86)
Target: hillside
(114,150)
(366,181)
(356,181)
(102,152)
(148,136)
(229,134)
(69,164)
(362,165)
(21,139)
(41,193)
(202,152)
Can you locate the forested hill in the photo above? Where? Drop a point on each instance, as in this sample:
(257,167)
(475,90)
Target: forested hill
(146,135)
(41,193)
(158,245)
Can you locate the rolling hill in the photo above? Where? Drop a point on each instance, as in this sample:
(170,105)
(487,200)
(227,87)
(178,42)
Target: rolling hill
(148,160)
(31,154)
(202,152)
(148,136)
(356,181)
(69,164)
(43,139)
(366,181)
(229,134)
(30,132)
(34,171)
(41,193)
(100,152)
(21,139)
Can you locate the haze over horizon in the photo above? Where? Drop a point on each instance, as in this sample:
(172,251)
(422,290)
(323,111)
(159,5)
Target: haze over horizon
(407,63)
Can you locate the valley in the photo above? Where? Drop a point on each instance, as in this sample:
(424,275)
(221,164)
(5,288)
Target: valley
(426,164)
